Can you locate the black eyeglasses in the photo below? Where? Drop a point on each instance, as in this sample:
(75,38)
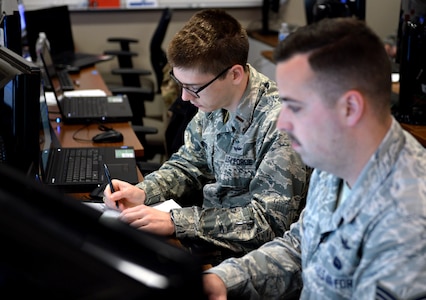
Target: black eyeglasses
(195,93)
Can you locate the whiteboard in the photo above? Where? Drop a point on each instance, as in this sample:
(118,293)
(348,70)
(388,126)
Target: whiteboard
(141,4)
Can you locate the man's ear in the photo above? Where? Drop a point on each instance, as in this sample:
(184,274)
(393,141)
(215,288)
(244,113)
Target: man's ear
(237,72)
(353,105)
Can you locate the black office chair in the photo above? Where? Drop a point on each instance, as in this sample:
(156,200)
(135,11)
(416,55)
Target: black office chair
(139,88)
(157,54)
(130,76)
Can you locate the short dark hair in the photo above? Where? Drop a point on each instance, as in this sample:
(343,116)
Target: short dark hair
(211,41)
(344,54)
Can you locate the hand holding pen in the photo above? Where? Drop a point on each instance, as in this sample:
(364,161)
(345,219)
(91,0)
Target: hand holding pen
(108,177)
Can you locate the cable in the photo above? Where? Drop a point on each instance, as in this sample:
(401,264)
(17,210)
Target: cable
(101,127)
(74,135)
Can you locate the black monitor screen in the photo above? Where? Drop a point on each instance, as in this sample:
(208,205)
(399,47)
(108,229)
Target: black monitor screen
(19,111)
(10,26)
(55,247)
(319,9)
(56,23)
(269,7)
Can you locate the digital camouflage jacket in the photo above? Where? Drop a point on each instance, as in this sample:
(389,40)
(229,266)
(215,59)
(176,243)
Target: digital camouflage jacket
(253,183)
(373,246)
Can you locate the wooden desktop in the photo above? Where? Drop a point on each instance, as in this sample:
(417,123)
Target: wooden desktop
(81,135)
(72,135)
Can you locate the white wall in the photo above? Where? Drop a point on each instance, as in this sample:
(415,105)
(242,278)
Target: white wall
(78,4)
(92,28)
(381,15)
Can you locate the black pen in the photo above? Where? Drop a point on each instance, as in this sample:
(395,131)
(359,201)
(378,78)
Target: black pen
(108,177)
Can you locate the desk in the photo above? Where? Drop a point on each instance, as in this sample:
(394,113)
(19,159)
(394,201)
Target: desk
(89,78)
(418,131)
(270,40)
(268,54)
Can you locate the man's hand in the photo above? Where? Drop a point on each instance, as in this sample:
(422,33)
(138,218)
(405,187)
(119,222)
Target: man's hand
(127,195)
(149,219)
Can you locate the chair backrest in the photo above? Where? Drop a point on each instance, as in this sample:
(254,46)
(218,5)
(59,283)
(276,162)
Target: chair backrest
(158,55)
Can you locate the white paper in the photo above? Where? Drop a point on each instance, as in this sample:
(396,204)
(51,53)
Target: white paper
(395,77)
(90,92)
(50,98)
(165,206)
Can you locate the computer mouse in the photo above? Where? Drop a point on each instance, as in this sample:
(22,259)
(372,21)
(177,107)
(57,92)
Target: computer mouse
(110,136)
(98,192)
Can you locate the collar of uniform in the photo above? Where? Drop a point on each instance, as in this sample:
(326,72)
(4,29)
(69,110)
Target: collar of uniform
(242,119)
(375,172)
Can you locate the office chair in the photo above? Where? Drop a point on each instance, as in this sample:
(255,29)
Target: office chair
(130,76)
(158,60)
(140,89)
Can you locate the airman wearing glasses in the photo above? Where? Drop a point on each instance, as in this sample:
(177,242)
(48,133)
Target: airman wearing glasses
(237,178)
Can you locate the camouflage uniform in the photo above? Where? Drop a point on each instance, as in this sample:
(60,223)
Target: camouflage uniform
(253,183)
(373,246)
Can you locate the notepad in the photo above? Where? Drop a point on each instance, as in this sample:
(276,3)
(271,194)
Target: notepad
(107,212)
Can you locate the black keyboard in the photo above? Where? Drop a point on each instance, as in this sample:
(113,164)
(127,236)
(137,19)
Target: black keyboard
(64,78)
(66,82)
(82,165)
(87,106)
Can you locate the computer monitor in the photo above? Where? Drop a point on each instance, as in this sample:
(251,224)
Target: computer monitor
(269,7)
(19,111)
(316,10)
(56,247)
(411,49)
(10,27)
(55,21)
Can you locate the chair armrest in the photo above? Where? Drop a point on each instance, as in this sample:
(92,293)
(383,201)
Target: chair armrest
(140,129)
(120,53)
(122,39)
(130,71)
(146,92)
(124,42)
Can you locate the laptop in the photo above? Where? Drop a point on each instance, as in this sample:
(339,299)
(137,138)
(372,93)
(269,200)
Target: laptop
(63,76)
(84,109)
(57,163)
(55,21)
